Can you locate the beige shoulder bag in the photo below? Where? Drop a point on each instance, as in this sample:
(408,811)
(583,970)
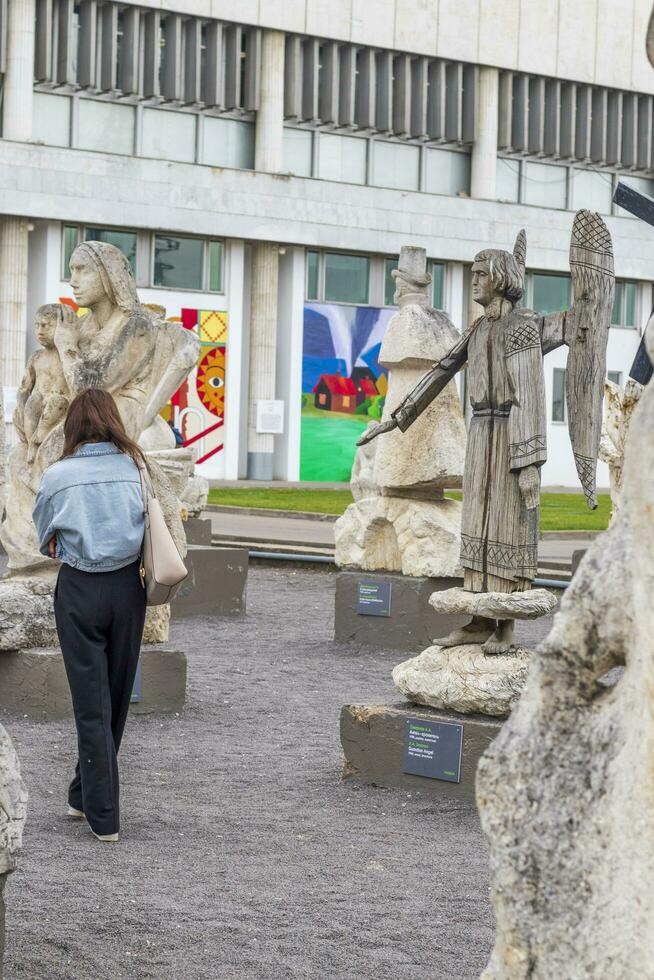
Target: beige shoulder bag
(162,568)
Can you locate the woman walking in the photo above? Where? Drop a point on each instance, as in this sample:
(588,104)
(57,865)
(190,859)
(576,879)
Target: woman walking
(89,515)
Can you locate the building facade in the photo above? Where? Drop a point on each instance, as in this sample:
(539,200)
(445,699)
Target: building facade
(262,162)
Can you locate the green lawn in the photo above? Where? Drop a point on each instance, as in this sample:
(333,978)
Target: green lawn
(559,511)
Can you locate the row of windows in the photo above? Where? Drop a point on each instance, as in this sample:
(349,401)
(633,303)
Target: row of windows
(175,262)
(549,293)
(561,186)
(559,413)
(335,277)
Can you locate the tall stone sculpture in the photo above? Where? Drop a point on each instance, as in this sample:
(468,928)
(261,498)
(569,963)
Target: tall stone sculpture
(118,345)
(400,520)
(566,791)
(507,438)
(121,346)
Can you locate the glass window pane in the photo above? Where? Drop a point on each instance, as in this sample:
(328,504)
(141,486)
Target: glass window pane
(630,304)
(124,240)
(389,282)
(396,165)
(298,151)
(70,243)
(615,377)
(641,184)
(51,123)
(169,135)
(216,267)
(438,277)
(312,275)
(508,179)
(551,293)
(342,158)
(97,119)
(346,278)
(228,143)
(447,172)
(616,315)
(545,184)
(592,190)
(558,395)
(178,262)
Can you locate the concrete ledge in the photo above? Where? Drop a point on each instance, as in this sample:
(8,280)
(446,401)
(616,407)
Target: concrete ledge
(412,626)
(216,583)
(372,737)
(33,683)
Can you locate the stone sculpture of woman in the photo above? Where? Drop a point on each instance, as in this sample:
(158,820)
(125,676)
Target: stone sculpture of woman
(507,436)
(118,345)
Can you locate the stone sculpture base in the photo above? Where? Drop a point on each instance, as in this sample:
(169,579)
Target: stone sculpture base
(413,623)
(495,605)
(198,530)
(216,583)
(400,534)
(372,737)
(464,679)
(33,683)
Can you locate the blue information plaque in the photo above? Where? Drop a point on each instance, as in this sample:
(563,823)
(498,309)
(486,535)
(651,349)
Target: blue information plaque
(374,598)
(433,749)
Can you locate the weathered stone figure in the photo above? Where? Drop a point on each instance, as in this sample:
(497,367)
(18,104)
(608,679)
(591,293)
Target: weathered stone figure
(507,436)
(119,345)
(619,406)
(401,520)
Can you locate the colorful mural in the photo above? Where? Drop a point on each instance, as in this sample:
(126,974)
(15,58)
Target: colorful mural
(198,407)
(343,386)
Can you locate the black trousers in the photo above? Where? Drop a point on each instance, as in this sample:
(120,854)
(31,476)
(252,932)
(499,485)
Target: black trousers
(100,618)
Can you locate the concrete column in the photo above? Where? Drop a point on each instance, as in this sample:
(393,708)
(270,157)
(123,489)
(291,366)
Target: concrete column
(269,134)
(13,298)
(18,88)
(483,165)
(263,354)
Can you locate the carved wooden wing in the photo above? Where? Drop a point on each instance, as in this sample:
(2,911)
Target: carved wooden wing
(587,334)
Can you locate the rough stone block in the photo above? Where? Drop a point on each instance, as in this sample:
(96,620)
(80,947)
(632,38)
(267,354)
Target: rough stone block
(216,583)
(372,737)
(531,604)
(33,683)
(412,625)
(198,530)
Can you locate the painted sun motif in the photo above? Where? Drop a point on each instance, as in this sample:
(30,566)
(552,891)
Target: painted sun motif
(211,381)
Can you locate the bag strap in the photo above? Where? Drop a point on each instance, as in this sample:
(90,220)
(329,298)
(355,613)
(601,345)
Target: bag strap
(147,490)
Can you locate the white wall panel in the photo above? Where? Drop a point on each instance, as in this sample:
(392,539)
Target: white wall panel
(374,23)
(416,26)
(106,126)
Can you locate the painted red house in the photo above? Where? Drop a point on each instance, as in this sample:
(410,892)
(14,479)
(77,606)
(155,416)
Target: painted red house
(334,393)
(365,383)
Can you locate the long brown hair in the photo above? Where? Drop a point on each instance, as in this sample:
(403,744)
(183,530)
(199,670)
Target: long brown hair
(93,416)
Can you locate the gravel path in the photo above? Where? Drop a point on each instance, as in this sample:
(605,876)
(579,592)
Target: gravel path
(243,855)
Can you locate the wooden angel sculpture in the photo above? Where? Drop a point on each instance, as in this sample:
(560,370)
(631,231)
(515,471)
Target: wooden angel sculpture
(507,445)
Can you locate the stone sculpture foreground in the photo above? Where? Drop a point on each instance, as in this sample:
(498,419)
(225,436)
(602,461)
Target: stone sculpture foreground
(125,348)
(566,790)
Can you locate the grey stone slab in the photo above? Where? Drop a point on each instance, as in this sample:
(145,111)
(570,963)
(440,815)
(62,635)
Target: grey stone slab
(372,737)
(33,683)
(412,625)
(198,530)
(216,583)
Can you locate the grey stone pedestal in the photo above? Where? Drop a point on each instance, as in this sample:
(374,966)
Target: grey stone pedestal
(412,624)
(372,737)
(33,683)
(198,530)
(216,583)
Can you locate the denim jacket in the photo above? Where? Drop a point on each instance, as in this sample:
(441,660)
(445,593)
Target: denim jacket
(92,501)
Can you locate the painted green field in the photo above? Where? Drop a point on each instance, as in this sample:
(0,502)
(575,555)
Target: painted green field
(559,511)
(328,446)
